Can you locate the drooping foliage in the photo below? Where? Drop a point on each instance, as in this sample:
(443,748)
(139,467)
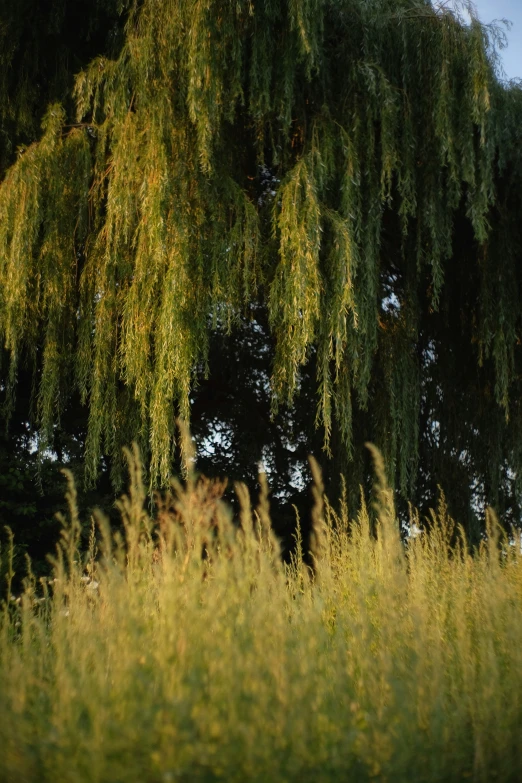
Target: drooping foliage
(42,46)
(354,166)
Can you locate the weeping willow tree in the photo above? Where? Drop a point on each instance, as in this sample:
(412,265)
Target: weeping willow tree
(353,165)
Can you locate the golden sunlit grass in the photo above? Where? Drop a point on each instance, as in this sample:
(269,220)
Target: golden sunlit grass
(184,650)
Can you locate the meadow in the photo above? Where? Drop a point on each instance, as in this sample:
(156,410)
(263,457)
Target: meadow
(182,648)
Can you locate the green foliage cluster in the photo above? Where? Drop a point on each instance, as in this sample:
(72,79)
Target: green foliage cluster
(130,232)
(185,650)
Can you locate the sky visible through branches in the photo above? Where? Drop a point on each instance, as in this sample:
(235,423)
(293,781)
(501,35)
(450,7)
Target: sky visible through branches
(489,10)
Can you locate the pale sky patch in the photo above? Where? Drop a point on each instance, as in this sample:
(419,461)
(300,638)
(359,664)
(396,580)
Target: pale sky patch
(490,10)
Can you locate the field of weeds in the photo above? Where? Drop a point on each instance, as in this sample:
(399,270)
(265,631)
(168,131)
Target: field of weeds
(184,649)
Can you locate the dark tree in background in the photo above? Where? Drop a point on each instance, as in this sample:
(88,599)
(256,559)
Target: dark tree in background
(295,224)
(43,45)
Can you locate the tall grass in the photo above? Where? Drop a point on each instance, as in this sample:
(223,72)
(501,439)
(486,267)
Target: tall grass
(183,649)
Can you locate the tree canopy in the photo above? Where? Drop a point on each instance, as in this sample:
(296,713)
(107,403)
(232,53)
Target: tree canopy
(352,167)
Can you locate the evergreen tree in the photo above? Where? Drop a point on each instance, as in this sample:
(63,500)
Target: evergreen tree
(352,167)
